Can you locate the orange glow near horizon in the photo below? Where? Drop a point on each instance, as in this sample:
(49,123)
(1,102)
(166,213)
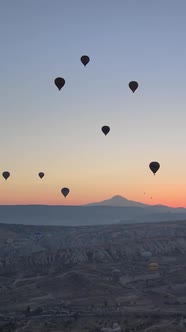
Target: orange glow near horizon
(42,192)
(59,132)
(67,201)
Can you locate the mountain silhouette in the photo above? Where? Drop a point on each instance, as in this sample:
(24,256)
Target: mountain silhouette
(118,201)
(117,209)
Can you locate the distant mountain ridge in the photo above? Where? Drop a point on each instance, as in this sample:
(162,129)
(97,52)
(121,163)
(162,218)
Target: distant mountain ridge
(115,210)
(118,200)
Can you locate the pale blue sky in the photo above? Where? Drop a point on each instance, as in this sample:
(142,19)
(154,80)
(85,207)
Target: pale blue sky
(140,40)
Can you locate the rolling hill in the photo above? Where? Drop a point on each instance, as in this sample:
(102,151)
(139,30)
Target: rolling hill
(111,211)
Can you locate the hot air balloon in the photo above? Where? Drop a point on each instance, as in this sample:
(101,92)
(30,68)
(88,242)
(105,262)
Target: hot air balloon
(65,191)
(146,254)
(85,59)
(133,85)
(154,166)
(59,82)
(116,274)
(153,266)
(6,175)
(41,174)
(105,129)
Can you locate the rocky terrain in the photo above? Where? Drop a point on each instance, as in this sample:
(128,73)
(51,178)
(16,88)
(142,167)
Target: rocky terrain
(88,278)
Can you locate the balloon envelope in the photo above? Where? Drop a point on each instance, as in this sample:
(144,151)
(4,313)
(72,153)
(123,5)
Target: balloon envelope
(85,59)
(146,254)
(105,129)
(59,82)
(6,175)
(154,166)
(41,174)
(133,85)
(153,266)
(65,191)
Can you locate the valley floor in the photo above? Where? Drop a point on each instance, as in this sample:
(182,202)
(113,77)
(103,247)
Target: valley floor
(55,285)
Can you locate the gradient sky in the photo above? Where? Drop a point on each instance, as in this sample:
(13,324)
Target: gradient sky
(59,133)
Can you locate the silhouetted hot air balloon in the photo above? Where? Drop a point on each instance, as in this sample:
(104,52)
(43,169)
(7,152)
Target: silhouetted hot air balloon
(65,191)
(6,175)
(85,59)
(105,129)
(59,82)
(133,85)
(41,174)
(154,166)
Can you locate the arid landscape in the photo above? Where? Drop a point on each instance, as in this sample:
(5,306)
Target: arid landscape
(56,278)
(93,166)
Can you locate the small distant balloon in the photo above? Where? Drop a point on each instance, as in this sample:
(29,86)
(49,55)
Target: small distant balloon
(153,266)
(41,174)
(85,59)
(59,82)
(6,175)
(133,85)
(146,254)
(65,191)
(105,129)
(154,166)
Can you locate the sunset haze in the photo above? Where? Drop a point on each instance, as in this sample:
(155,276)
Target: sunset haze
(59,132)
